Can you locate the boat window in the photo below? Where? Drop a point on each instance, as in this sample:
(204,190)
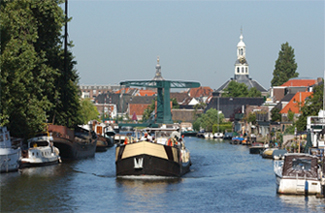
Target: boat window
(301,164)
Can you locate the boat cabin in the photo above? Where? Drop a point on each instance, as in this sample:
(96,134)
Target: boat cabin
(300,165)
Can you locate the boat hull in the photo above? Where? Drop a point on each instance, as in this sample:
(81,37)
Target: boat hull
(293,186)
(73,144)
(74,150)
(146,158)
(9,159)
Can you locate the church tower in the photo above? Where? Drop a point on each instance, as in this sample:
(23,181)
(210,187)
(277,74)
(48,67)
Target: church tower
(158,76)
(241,65)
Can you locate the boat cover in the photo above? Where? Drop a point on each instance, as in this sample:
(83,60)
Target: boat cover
(301,165)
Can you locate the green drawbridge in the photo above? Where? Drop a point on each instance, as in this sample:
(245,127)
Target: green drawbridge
(164,115)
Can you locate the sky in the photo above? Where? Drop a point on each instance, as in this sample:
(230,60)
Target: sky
(116,41)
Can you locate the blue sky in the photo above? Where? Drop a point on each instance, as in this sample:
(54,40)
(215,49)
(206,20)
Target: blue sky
(195,40)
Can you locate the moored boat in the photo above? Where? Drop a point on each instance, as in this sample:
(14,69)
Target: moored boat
(163,155)
(40,152)
(189,133)
(9,155)
(73,144)
(298,174)
(257,148)
(268,153)
(218,135)
(236,140)
(104,135)
(279,154)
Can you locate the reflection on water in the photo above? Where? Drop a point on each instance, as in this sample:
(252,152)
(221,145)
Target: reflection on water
(308,203)
(148,194)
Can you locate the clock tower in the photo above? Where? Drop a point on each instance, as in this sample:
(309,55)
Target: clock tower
(241,65)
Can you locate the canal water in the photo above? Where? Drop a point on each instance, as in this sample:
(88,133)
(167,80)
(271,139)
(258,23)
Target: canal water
(223,178)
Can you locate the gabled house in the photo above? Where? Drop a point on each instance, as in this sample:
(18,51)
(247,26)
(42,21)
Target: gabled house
(295,104)
(292,86)
(200,92)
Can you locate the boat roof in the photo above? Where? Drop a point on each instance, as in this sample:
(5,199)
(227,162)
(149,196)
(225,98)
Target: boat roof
(300,155)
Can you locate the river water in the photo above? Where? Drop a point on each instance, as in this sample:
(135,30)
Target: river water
(223,178)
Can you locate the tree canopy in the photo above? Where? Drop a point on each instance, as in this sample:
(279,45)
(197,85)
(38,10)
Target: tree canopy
(285,66)
(32,68)
(235,89)
(208,119)
(311,107)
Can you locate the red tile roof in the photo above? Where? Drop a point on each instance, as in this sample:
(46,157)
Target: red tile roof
(299,83)
(294,104)
(200,92)
(138,109)
(146,93)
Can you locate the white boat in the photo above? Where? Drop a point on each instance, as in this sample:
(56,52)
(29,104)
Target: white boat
(298,174)
(160,152)
(9,156)
(218,135)
(40,152)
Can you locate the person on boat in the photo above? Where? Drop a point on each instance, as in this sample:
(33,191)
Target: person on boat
(146,137)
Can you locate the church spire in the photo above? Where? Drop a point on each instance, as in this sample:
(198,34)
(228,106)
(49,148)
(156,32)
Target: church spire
(241,65)
(158,71)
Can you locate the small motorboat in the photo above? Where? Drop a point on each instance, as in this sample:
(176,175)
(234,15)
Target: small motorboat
(257,148)
(40,152)
(218,135)
(268,153)
(298,174)
(237,140)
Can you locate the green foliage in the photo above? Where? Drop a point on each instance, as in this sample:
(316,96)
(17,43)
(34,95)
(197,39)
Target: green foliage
(198,106)
(208,119)
(285,66)
(222,127)
(174,103)
(88,111)
(254,93)
(147,112)
(289,130)
(251,117)
(31,64)
(236,89)
(275,116)
(311,107)
(291,115)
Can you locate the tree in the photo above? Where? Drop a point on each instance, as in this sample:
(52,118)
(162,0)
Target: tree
(208,119)
(235,89)
(32,81)
(198,106)
(291,115)
(88,111)
(275,116)
(285,66)
(254,93)
(147,112)
(311,107)
(174,103)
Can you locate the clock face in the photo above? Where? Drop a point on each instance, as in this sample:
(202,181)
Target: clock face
(242,60)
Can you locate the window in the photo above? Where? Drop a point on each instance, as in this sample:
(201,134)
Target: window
(237,69)
(301,164)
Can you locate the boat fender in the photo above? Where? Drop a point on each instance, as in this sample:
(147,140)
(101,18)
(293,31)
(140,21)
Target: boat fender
(126,141)
(170,142)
